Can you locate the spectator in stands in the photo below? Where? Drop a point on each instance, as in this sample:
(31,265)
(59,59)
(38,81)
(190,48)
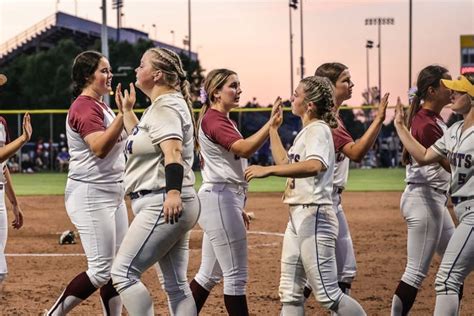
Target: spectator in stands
(63,159)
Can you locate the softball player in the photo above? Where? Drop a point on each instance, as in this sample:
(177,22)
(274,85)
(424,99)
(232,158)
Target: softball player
(7,149)
(94,189)
(423,203)
(346,149)
(457,146)
(159,181)
(310,237)
(224,155)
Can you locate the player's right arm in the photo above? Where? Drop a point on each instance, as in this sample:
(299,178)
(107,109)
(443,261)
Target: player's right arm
(11,148)
(302,169)
(422,155)
(357,150)
(247,147)
(102,142)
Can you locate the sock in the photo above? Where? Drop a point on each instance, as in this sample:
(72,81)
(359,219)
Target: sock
(236,305)
(403,299)
(110,299)
(77,290)
(349,306)
(307,292)
(200,294)
(345,287)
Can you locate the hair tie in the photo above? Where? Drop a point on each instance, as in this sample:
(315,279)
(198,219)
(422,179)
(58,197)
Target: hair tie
(202,95)
(412,93)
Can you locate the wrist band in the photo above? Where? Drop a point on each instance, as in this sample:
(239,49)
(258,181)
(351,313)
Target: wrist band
(174,173)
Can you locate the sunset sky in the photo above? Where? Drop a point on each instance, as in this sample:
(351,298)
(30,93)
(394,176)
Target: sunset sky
(252,37)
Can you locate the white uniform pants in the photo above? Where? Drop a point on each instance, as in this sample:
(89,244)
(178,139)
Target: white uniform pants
(309,252)
(458,261)
(3,233)
(99,213)
(224,244)
(345,256)
(430,228)
(150,240)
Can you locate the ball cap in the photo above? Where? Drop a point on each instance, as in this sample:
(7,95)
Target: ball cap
(3,79)
(460,85)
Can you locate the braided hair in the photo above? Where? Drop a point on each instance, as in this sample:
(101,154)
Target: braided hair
(320,91)
(174,75)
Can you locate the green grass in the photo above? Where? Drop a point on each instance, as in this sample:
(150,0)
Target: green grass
(359,180)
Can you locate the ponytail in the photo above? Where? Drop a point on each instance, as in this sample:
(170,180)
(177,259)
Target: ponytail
(415,106)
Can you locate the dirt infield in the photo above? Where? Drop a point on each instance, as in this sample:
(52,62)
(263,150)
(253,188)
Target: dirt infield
(40,268)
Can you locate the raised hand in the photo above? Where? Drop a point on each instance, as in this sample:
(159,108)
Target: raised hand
(382,108)
(126,100)
(27,129)
(276,118)
(399,119)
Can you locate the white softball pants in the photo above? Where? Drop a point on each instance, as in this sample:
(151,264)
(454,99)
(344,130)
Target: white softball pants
(224,244)
(430,228)
(99,213)
(457,263)
(3,234)
(150,240)
(309,254)
(345,256)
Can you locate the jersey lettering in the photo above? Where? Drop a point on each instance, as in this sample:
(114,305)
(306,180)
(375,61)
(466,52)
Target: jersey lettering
(462,178)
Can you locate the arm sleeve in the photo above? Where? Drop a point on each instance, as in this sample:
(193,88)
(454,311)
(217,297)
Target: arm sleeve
(164,123)
(86,118)
(318,141)
(440,146)
(427,134)
(341,137)
(220,130)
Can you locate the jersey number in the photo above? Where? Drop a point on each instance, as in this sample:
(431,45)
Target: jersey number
(129,147)
(462,178)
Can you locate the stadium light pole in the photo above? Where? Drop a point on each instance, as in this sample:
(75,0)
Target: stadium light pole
(302,51)
(368,46)
(189,31)
(379,22)
(118,5)
(104,38)
(293,5)
(410,29)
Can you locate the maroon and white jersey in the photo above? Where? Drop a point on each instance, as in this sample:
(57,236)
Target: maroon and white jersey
(313,142)
(458,149)
(85,116)
(341,138)
(427,127)
(4,139)
(217,133)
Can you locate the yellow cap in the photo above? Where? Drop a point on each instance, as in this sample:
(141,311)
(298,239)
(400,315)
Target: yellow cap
(460,85)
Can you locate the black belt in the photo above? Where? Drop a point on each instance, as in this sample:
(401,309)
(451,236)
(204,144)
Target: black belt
(458,199)
(138,194)
(444,192)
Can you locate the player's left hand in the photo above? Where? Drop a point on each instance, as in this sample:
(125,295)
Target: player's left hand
(17,223)
(256,171)
(246,218)
(276,117)
(172,206)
